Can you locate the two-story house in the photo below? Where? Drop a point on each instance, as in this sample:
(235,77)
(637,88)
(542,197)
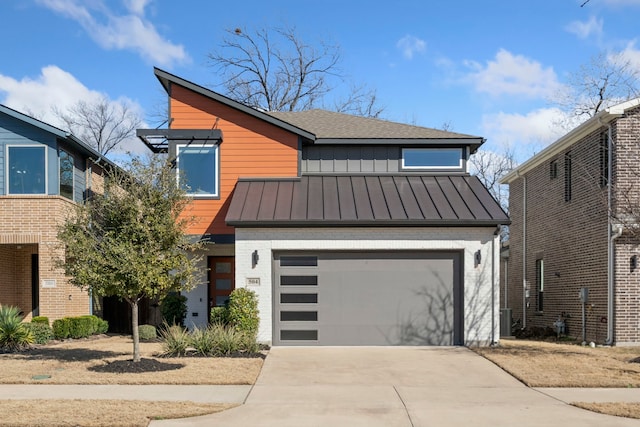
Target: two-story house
(351,230)
(43,171)
(574,209)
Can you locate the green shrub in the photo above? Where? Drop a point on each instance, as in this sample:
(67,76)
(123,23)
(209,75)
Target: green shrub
(14,335)
(174,309)
(42,333)
(243,311)
(103,326)
(81,327)
(147,332)
(175,340)
(219,315)
(40,319)
(62,328)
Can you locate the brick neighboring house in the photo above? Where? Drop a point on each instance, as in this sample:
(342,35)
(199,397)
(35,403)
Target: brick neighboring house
(562,238)
(43,171)
(351,230)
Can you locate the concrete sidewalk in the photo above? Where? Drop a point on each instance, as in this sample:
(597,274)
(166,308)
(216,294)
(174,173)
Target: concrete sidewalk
(193,393)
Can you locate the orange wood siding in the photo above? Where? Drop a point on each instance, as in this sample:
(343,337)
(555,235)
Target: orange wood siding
(250,148)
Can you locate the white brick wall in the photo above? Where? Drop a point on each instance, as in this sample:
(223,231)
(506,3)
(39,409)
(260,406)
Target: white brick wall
(481,311)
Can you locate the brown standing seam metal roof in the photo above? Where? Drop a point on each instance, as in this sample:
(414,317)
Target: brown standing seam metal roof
(364,201)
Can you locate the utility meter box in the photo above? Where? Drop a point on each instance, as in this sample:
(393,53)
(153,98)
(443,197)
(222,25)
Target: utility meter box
(584,295)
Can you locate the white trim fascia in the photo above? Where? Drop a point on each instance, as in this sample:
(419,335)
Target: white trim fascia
(595,122)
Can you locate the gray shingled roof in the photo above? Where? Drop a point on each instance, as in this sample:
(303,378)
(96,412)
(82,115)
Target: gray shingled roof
(364,201)
(332,125)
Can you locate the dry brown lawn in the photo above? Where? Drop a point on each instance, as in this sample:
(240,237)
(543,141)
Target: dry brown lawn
(551,364)
(84,362)
(98,413)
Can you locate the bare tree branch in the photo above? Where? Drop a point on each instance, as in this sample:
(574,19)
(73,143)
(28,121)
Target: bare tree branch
(275,70)
(103,124)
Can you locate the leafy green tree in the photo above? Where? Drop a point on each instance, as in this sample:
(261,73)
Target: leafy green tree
(130,241)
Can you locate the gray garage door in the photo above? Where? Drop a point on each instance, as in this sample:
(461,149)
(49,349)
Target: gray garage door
(368,298)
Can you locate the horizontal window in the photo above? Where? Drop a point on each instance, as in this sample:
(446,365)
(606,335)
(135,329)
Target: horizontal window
(298,316)
(198,169)
(311,335)
(432,158)
(298,298)
(298,280)
(26,170)
(299,261)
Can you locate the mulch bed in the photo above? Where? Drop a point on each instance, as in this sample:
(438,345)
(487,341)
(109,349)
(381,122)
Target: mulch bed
(131,367)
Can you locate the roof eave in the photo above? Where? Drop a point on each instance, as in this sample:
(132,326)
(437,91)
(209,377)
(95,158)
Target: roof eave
(400,141)
(600,119)
(364,223)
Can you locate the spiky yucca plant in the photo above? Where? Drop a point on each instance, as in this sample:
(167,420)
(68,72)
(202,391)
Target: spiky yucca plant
(14,335)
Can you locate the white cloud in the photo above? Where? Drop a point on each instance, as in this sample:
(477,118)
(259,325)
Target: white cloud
(539,127)
(56,87)
(131,31)
(410,45)
(630,54)
(510,74)
(585,29)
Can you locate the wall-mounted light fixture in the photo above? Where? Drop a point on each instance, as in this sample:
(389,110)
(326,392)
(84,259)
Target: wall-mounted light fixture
(634,262)
(477,258)
(254,258)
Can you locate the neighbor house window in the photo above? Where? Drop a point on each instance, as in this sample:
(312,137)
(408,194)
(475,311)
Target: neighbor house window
(604,159)
(26,170)
(66,174)
(198,169)
(567,176)
(540,284)
(432,158)
(553,169)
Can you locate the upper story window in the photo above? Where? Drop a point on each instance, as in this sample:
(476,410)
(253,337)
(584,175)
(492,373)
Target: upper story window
(198,169)
(553,169)
(26,169)
(66,174)
(567,176)
(432,158)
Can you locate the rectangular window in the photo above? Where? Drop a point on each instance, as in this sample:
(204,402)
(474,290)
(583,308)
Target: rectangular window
(432,158)
(298,261)
(66,174)
(567,176)
(198,169)
(298,280)
(540,284)
(604,159)
(553,169)
(26,169)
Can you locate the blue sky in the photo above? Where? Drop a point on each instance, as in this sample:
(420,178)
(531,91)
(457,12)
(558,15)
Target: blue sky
(486,68)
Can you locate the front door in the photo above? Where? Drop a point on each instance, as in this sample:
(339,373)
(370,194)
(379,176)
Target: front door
(221,279)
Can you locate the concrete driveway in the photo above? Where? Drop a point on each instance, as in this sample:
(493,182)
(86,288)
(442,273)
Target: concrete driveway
(393,386)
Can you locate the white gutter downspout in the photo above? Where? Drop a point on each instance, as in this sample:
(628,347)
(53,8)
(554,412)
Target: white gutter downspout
(611,237)
(524,251)
(493,285)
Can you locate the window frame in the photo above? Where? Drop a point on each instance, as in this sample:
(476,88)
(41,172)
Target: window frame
(216,176)
(540,285)
(7,167)
(459,167)
(73,175)
(567,176)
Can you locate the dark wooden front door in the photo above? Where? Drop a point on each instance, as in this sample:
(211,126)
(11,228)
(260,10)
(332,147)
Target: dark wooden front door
(221,279)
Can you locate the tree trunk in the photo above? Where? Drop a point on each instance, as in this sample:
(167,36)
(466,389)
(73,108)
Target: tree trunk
(134,327)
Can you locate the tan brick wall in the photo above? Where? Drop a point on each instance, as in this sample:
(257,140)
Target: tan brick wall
(23,220)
